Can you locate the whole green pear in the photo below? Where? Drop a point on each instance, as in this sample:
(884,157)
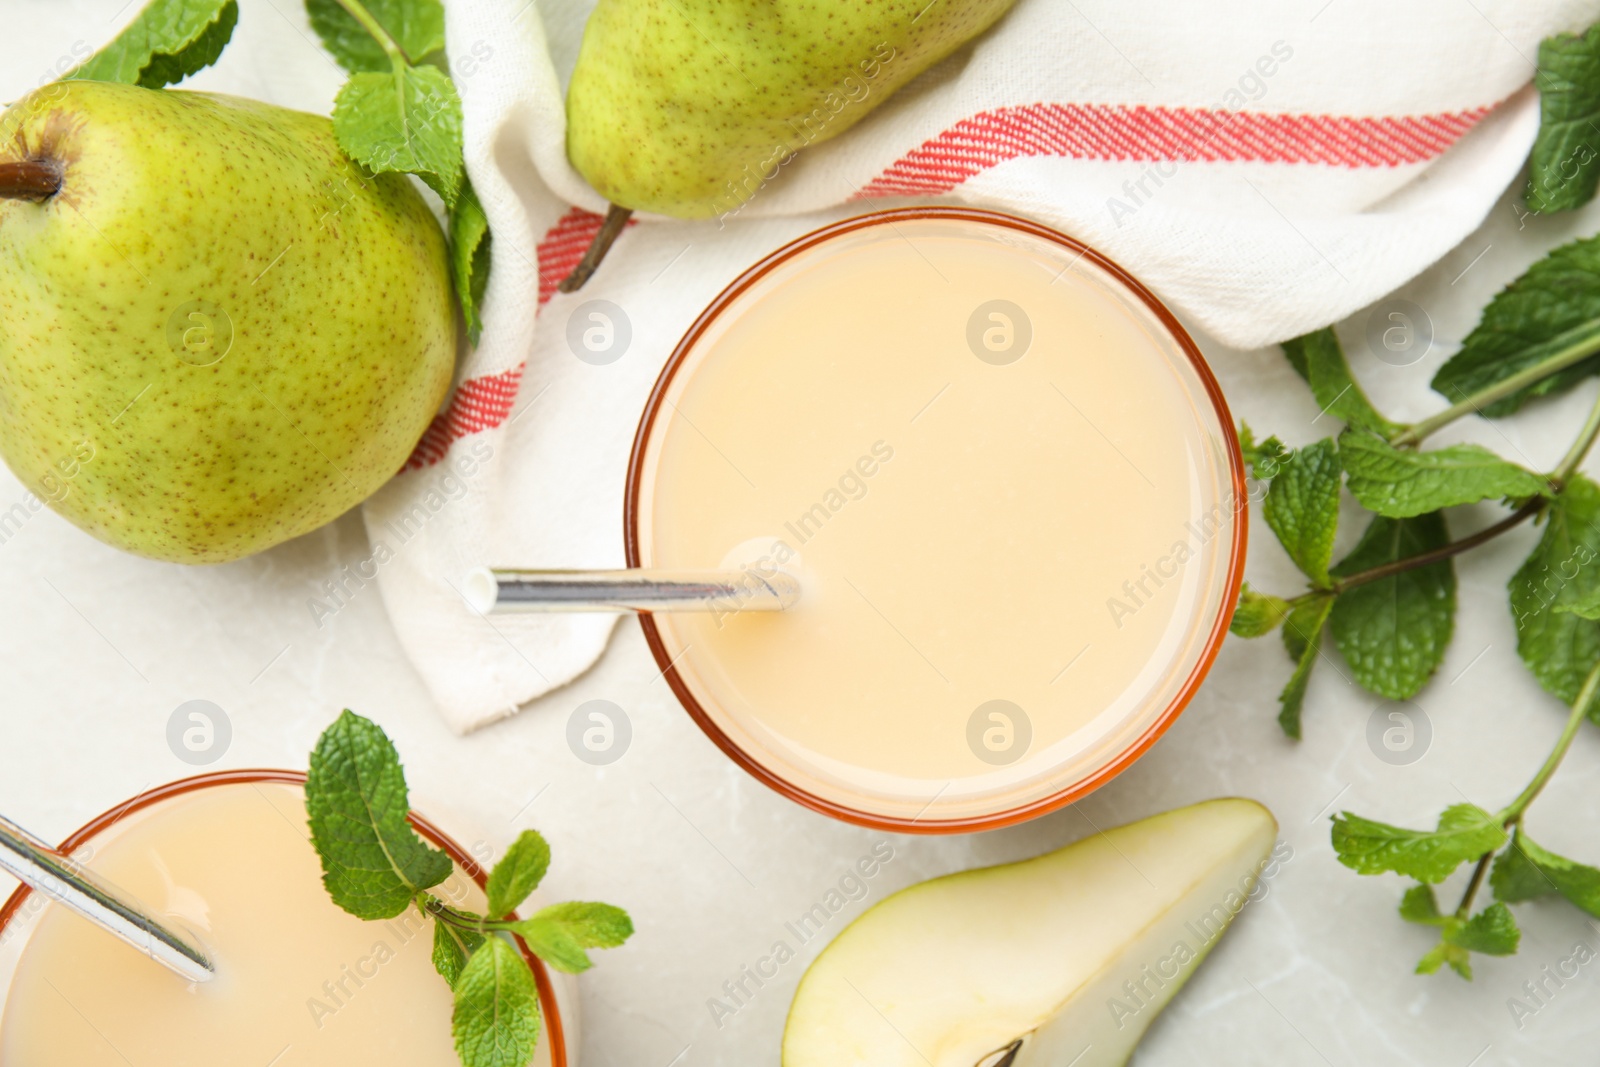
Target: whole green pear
(688,107)
(219,333)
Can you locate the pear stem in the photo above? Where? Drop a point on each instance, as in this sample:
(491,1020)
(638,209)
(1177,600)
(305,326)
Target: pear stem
(30,179)
(616,219)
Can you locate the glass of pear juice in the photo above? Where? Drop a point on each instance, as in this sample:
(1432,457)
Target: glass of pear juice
(1005,485)
(298,981)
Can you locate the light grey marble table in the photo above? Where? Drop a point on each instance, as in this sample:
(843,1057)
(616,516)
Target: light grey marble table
(98,649)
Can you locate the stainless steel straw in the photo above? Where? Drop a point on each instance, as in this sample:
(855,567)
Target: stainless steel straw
(63,880)
(722,592)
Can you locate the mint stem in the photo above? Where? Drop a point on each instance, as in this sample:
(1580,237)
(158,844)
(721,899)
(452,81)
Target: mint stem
(1573,346)
(1478,873)
(1512,814)
(1580,448)
(461,920)
(374,28)
(1434,555)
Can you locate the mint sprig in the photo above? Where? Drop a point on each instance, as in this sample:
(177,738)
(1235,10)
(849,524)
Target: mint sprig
(375,866)
(165,43)
(1390,604)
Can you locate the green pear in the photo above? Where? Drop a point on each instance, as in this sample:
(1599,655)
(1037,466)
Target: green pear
(688,107)
(1062,959)
(219,332)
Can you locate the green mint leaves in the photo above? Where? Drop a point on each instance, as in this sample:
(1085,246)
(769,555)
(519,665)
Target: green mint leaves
(164,44)
(400,112)
(496,1021)
(1402,483)
(1558,644)
(452,947)
(1526,871)
(518,873)
(1393,631)
(560,933)
(469,256)
(373,862)
(1302,634)
(376,866)
(416,27)
(1562,168)
(1493,932)
(1390,604)
(1545,324)
(1302,507)
(1257,613)
(1319,359)
(1465,833)
(407,120)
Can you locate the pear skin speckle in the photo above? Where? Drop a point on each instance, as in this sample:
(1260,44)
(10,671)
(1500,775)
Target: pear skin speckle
(220,333)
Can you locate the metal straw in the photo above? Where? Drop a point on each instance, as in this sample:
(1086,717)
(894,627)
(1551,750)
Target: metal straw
(63,880)
(721,592)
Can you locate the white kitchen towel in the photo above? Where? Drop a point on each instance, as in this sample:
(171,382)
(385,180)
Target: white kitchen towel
(1265,166)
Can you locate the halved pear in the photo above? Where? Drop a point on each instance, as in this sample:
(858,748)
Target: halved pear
(1060,960)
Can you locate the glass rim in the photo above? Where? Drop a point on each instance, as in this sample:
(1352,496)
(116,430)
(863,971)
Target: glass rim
(634,487)
(553,1028)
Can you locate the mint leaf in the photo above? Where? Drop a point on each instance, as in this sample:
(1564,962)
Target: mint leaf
(1257,613)
(416,26)
(518,873)
(496,1021)
(1525,871)
(1419,906)
(1561,646)
(1401,483)
(406,120)
(1302,507)
(1562,168)
(1552,307)
(1492,932)
(1393,632)
(589,924)
(164,44)
(1444,952)
(1465,833)
(555,943)
(469,256)
(1301,635)
(1585,605)
(1264,458)
(1514,878)
(451,948)
(373,862)
(1319,359)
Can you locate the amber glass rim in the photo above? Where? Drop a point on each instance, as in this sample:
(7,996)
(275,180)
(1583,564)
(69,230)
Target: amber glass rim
(1043,805)
(104,821)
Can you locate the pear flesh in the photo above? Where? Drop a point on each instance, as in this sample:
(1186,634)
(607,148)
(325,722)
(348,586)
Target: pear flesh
(220,333)
(688,107)
(1063,959)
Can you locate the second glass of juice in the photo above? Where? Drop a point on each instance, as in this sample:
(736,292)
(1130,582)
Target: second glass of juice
(1008,484)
